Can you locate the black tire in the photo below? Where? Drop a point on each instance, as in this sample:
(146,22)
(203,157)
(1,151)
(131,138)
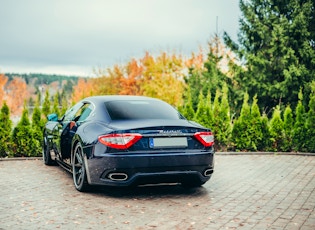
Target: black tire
(46,153)
(79,170)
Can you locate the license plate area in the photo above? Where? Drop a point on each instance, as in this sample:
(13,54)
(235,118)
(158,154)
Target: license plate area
(168,142)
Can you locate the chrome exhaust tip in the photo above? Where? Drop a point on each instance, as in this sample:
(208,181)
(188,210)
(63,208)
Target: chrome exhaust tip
(208,172)
(118,176)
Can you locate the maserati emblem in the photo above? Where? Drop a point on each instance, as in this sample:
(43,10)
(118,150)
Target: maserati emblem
(170,131)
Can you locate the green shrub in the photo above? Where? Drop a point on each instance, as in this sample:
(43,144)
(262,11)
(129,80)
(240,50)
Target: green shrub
(241,137)
(5,130)
(310,122)
(299,129)
(276,129)
(288,123)
(22,137)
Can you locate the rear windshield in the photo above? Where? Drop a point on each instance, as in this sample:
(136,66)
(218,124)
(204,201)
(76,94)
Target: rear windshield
(138,109)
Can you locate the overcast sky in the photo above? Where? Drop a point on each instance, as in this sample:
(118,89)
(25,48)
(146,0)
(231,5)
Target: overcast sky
(75,36)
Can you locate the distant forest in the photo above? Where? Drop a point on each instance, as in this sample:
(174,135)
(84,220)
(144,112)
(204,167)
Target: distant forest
(40,78)
(16,89)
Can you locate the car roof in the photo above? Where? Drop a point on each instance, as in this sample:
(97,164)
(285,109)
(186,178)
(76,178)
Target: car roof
(106,98)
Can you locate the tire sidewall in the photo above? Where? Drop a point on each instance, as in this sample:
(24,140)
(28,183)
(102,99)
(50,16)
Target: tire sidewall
(83,185)
(46,152)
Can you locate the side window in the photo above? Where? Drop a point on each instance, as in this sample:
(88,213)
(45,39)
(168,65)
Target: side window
(84,112)
(70,114)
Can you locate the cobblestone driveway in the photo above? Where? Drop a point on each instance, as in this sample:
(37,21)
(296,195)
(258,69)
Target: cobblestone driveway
(245,192)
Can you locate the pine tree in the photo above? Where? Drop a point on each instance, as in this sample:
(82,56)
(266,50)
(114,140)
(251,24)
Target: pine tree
(288,123)
(201,115)
(216,117)
(241,138)
(194,82)
(256,127)
(276,41)
(56,104)
(64,103)
(5,130)
(266,143)
(187,109)
(210,78)
(37,133)
(299,129)
(310,123)
(208,104)
(22,136)
(46,104)
(224,130)
(276,130)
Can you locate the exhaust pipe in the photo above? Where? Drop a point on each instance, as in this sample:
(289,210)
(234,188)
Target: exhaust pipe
(118,176)
(208,172)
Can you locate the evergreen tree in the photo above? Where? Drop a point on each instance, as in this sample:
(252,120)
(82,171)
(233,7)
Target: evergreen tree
(276,41)
(5,130)
(310,123)
(256,127)
(64,103)
(56,104)
(288,123)
(224,130)
(195,83)
(46,104)
(277,130)
(299,129)
(22,136)
(213,77)
(37,133)
(241,138)
(210,119)
(210,78)
(266,142)
(201,115)
(216,118)
(187,109)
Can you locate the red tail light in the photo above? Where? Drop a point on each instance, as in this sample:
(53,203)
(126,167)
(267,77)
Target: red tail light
(120,141)
(206,138)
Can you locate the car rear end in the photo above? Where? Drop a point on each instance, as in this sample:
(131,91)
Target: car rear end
(150,144)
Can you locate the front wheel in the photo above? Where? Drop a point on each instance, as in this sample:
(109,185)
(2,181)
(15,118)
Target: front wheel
(78,169)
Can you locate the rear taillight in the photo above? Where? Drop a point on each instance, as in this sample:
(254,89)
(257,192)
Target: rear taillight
(206,138)
(120,141)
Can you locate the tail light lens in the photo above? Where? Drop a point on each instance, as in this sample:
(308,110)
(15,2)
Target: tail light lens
(120,141)
(206,138)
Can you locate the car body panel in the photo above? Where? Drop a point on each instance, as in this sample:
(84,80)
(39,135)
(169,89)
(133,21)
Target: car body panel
(167,152)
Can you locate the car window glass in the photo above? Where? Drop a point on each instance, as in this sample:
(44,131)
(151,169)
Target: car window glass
(70,114)
(85,111)
(138,109)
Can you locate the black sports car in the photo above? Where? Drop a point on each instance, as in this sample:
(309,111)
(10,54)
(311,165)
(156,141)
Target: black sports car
(128,140)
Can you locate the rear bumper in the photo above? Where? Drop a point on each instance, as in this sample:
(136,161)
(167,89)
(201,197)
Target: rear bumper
(138,169)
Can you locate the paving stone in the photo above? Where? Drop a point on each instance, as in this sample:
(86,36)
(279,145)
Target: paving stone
(245,192)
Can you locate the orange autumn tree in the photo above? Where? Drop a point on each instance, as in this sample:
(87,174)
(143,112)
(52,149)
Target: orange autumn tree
(84,88)
(160,77)
(16,93)
(163,77)
(3,81)
(131,82)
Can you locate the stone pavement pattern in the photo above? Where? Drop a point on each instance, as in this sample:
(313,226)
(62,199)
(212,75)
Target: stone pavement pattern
(245,192)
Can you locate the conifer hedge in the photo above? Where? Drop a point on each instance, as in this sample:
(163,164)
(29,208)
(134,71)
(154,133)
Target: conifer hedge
(285,130)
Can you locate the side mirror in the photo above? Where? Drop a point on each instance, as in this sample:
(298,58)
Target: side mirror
(52,117)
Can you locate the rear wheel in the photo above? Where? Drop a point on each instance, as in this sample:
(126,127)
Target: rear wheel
(78,169)
(46,153)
